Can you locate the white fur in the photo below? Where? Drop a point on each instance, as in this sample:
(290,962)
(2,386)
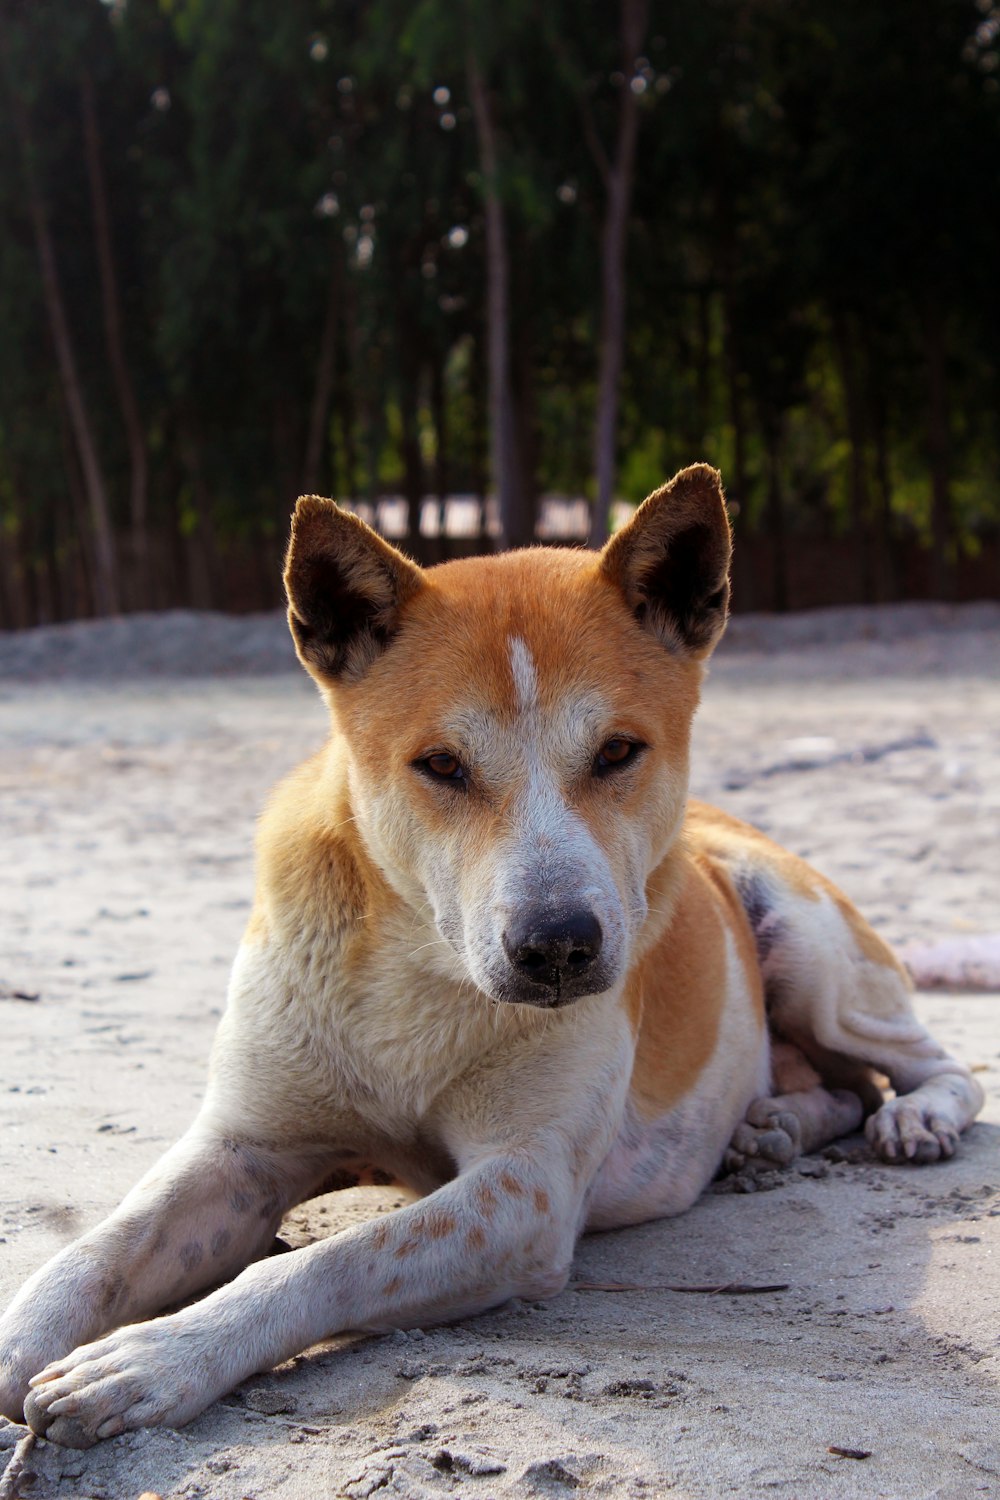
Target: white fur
(522,666)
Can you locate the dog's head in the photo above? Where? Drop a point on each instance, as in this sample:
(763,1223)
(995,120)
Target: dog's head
(517,727)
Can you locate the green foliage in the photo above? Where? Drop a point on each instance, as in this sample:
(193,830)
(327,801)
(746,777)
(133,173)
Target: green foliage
(813,194)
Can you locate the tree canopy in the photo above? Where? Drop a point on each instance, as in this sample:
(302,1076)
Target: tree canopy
(378,247)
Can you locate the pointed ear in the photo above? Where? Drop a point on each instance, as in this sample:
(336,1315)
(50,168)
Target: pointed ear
(346,588)
(672,561)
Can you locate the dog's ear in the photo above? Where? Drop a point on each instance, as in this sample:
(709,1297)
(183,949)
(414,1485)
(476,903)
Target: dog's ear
(671,561)
(346,589)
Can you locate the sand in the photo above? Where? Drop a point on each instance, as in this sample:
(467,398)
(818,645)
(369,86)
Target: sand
(127,807)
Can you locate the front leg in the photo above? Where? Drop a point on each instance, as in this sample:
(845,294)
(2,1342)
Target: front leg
(204,1211)
(505,1227)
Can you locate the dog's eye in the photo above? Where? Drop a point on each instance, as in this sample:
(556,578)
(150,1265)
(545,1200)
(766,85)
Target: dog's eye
(614,754)
(444,767)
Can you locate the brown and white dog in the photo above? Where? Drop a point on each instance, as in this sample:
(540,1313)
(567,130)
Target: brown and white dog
(496,954)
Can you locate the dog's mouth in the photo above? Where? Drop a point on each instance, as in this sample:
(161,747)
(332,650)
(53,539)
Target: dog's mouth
(555,999)
(552,992)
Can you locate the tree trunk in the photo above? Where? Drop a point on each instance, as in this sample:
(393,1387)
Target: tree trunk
(525,410)
(76,515)
(439,416)
(479,438)
(703,401)
(199,538)
(843,341)
(776,515)
(516,521)
(14,555)
(620,172)
(104,562)
(939,455)
(888,565)
(737,484)
(319,424)
(409,406)
(348,401)
(111,304)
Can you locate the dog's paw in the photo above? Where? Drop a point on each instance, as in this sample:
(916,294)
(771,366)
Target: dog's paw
(17,1365)
(13,1388)
(904,1130)
(769,1136)
(140,1376)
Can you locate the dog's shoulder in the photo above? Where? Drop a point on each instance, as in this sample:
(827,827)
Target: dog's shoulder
(702,965)
(313,876)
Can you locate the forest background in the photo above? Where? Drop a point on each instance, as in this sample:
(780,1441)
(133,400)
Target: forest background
(448,260)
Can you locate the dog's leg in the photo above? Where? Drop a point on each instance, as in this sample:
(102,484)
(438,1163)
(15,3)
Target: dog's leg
(784,1126)
(799,1116)
(208,1208)
(838,991)
(504,1228)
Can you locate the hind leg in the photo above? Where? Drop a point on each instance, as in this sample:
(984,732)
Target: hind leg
(798,1117)
(839,993)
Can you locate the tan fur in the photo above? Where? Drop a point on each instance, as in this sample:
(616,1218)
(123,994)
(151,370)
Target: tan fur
(494,956)
(676,995)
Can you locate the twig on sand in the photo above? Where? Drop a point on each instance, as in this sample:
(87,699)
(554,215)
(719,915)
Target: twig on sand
(729,1288)
(863,755)
(849,1452)
(12,992)
(12,1474)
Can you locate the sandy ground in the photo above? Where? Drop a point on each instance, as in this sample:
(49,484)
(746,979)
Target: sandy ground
(126,818)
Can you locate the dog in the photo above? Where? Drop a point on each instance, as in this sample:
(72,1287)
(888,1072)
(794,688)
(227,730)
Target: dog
(496,955)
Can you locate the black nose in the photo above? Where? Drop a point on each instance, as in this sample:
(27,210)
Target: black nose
(555,950)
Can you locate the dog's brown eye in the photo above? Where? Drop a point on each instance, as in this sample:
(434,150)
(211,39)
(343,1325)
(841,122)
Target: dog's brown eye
(444,766)
(614,754)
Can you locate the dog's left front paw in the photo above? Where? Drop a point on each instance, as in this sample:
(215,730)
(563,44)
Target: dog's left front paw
(140,1376)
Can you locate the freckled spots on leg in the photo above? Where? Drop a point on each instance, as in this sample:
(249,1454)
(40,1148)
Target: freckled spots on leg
(581,1159)
(392,1286)
(240,1203)
(191,1255)
(487,1199)
(476,1238)
(510,1184)
(437,1226)
(221,1240)
(110,1294)
(541,1200)
(380,1236)
(408,1247)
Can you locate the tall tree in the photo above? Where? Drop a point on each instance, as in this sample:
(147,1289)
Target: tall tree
(618,171)
(105,577)
(516,522)
(113,332)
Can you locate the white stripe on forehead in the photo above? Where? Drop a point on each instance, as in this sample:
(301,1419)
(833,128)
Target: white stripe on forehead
(522,666)
(562,736)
